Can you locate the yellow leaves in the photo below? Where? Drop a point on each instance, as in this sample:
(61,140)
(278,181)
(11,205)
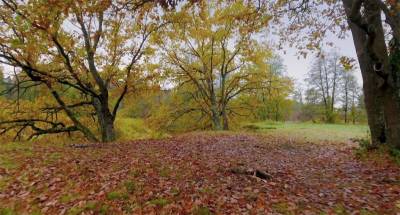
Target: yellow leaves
(91,7)
(149,50)
(347,62)
(232,11)
(200,33)
(398,204)
(316,34)
(220,34)
(152,67)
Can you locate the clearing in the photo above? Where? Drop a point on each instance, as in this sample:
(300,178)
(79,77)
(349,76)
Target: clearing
(197,173)
(314,131)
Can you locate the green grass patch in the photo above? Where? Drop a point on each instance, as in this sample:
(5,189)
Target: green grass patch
(206,190)
(89,206)
(7,162)
(7,211)
(4,181)
(22,147)
(53,157)
(130,186)
(175,191)
(12,153)
(282,208)
(395,154)
(380,154)
(68,198)
(133,129)
(165,172)
(161,202)
(312,131)
(117,195)
(135,172)
(201,210)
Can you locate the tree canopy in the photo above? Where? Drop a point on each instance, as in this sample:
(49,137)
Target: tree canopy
(85,55)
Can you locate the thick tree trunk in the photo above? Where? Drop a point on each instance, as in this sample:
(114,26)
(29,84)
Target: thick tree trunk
(107,128)
(215,115)
(216,119)
(225,120)
(106,120)
(393,123)
(392,116)
(389,88)
(372,96)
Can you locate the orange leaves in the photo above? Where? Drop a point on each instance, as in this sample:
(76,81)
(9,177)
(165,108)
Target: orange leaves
(392,2)
(190,174)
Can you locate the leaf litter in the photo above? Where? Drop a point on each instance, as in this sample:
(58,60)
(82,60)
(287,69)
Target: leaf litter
(199,173)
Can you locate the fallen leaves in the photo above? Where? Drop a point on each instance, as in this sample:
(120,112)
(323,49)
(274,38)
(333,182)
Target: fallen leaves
(193,173)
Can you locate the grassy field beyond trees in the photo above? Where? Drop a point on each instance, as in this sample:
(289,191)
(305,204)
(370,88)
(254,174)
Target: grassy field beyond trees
(315,131)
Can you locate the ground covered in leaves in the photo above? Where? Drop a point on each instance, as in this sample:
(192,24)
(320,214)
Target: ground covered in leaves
(197,174)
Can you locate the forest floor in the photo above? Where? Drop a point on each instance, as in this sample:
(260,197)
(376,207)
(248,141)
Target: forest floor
(198,173)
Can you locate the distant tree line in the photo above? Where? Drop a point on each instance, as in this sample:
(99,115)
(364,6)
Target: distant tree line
(332,93)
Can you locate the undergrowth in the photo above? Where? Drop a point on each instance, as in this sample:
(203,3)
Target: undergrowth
(366,151)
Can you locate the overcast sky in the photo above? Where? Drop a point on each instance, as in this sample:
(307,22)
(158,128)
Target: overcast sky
(298,67)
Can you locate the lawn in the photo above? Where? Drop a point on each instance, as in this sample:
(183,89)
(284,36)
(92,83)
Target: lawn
(314,131)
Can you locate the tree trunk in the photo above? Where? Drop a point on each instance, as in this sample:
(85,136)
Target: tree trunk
(373,98)
(393,113)
(346,104)
(107,128)
(216,119)
(106,120)
(215,115)
(346,99)
(389,88)
(225,121)
(392,116)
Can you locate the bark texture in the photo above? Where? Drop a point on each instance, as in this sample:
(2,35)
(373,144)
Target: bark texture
(373,98)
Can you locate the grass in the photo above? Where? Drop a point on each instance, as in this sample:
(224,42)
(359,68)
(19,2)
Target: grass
(160,202)
(312,131)
(282,208)
(134,129)
(7,211)
(8,163)
(201,211)
(165,172)
(93,206)
(68,198)
(10,154)
(130,186)
(116,195)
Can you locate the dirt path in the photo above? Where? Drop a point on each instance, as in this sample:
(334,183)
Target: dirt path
(193,174)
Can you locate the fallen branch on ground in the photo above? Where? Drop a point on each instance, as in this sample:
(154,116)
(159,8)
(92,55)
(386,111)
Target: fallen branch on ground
(254,172)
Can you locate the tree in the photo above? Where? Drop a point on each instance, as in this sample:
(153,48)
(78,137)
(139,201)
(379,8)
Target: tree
(2,82)
(311,109)
(271,102)
(349,93)
(379,67)
(324,78)
(211,51)
(86,55)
